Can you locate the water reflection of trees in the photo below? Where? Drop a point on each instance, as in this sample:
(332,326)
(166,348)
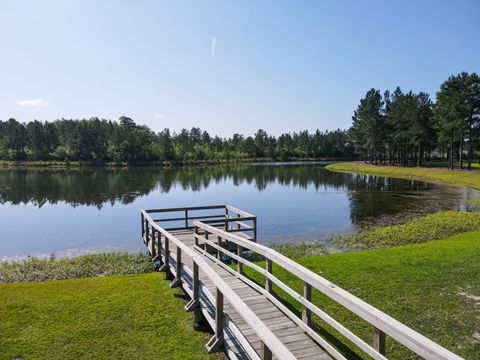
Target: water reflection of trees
(379,200)
(368,195)
(100,186)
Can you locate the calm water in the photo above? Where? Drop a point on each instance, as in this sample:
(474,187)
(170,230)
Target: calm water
(71,212)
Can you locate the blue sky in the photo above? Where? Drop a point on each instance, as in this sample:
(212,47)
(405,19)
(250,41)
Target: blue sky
(278,65)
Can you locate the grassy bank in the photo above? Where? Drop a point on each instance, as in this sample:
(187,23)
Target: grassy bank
(91,265)
(422,229)
(115,317)
(432,174)
(432,287)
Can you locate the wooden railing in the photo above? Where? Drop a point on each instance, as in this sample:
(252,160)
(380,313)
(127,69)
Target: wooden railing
(155,234)
(207,236)
(225,217)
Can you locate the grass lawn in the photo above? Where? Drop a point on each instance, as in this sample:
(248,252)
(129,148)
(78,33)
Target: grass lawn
(113,317)
(432,174)
(432,287)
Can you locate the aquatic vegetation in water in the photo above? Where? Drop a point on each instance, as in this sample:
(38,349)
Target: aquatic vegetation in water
(300,250)
(425,228)
(91,265)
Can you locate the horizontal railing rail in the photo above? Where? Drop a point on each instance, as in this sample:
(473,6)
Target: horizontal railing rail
(208,236)
(231,219)
(270,343)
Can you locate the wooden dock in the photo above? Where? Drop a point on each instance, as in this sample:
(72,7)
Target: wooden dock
(204,250)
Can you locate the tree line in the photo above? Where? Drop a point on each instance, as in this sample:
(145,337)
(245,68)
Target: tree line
(407,128)
(402,128)
(102,141)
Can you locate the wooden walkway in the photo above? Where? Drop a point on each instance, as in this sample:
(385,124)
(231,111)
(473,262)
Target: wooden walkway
(197,250)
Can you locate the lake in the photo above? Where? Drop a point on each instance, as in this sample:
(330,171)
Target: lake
(76,211)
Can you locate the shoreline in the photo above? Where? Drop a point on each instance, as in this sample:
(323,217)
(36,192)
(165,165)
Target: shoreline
(458,177)
(81,164)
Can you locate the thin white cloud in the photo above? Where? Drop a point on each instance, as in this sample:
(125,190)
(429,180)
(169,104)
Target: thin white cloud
(214,45)
(33,103)
(159,116)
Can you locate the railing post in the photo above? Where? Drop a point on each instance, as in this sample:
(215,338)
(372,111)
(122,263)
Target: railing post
(255,229)
(178,269)
(195,289)
(240,254)
(153,252)
(186,219)
(166,265)
(238,224)
(147,233)
(265,352)
(159,247)
(307,294)
(143,226)
(206,238)
(226,217)
(217,340)
(219,242)
(379,340)
(268,282)
(195,232)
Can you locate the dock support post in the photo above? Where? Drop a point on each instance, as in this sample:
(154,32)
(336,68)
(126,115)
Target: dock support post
(265,352)
(178,270)
(379,340)
(143,226)
(268,282)
(307,294)
(194,303)
(217,340)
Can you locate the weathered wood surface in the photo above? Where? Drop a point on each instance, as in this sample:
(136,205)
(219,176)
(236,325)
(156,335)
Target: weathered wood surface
(258,303)
(251,322)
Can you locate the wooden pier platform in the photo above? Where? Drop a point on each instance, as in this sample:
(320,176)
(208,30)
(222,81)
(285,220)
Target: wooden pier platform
(204,250)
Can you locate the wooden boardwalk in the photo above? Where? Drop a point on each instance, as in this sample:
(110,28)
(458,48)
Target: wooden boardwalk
(197,250)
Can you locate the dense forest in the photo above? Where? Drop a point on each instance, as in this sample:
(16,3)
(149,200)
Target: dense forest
(99,140)
(396,127)
(406,128)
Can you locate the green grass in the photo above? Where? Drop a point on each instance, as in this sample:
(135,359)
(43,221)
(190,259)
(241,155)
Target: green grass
(456,164)
(439,175)
(91,265)
(432,287)
(114,317)
(422,229)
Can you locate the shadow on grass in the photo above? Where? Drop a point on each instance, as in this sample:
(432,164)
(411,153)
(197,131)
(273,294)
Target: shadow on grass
(345,348)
